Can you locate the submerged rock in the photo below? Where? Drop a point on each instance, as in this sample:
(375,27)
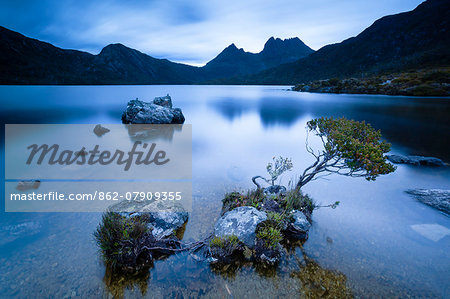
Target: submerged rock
(28,185)
(11,233)
(99,130)
(436,198)
(415,160)
(242,223)
(434,232)
(160,111)
(268,255)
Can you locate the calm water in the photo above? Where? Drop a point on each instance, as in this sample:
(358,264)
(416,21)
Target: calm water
(366,246)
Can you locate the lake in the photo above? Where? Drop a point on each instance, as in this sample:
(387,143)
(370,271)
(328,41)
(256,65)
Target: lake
(368,246)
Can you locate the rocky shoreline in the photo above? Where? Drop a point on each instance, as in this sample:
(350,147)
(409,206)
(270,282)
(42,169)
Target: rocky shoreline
(419,83)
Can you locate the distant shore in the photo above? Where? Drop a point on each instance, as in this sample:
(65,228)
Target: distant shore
(432,82)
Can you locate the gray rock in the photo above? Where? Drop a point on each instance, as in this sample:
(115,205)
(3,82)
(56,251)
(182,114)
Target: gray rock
(163,217)
(299,227)
(300,223)
(269,260)
(28,185)
(436,198)
(167,220)
(274,190)
(270,205)
(415,160)
(268,255)
(100,131)
(163,101)
(160,111)
(240,222)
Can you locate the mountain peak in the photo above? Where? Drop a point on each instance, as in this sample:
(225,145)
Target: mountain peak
(275,44)
(232,48)
(114,48)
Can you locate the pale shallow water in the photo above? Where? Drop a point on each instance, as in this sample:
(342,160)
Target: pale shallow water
(375,243)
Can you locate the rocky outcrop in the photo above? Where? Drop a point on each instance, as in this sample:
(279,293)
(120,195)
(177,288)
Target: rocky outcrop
(436,198)
(159,111)
(240,222)
(415,160)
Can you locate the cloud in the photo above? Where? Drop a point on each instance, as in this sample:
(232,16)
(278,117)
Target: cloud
(192,31)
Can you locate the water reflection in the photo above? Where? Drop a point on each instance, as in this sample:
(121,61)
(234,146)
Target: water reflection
(117,282)
(231,108)
(148,132)
(272,111)
(422,125)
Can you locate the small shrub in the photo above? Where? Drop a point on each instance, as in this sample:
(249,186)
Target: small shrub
(223,248)
(437,76)
(115,234)
(296,200)
(278,167)
(427,90)
(270,235)
(334,81)
(277,220)
(223,242)
(233,200)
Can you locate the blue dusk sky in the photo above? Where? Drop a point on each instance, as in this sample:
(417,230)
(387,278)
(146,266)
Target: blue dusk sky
(192,31)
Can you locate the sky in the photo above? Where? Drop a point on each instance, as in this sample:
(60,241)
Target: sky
(192,31)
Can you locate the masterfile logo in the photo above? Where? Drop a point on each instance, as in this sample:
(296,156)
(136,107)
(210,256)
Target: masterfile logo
(72,168)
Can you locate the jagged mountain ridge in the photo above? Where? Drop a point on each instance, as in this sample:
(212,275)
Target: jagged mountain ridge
(406,41)
(25,60)
(233,61)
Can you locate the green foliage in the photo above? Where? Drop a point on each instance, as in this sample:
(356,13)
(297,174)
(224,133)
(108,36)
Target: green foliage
(296,200)
(434,82)
(438,76)
(114,232)
(270,235)
(235,199)
(426,89)
(224,242)
(278,167)
(224,247)
(353,145)
(277,218)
